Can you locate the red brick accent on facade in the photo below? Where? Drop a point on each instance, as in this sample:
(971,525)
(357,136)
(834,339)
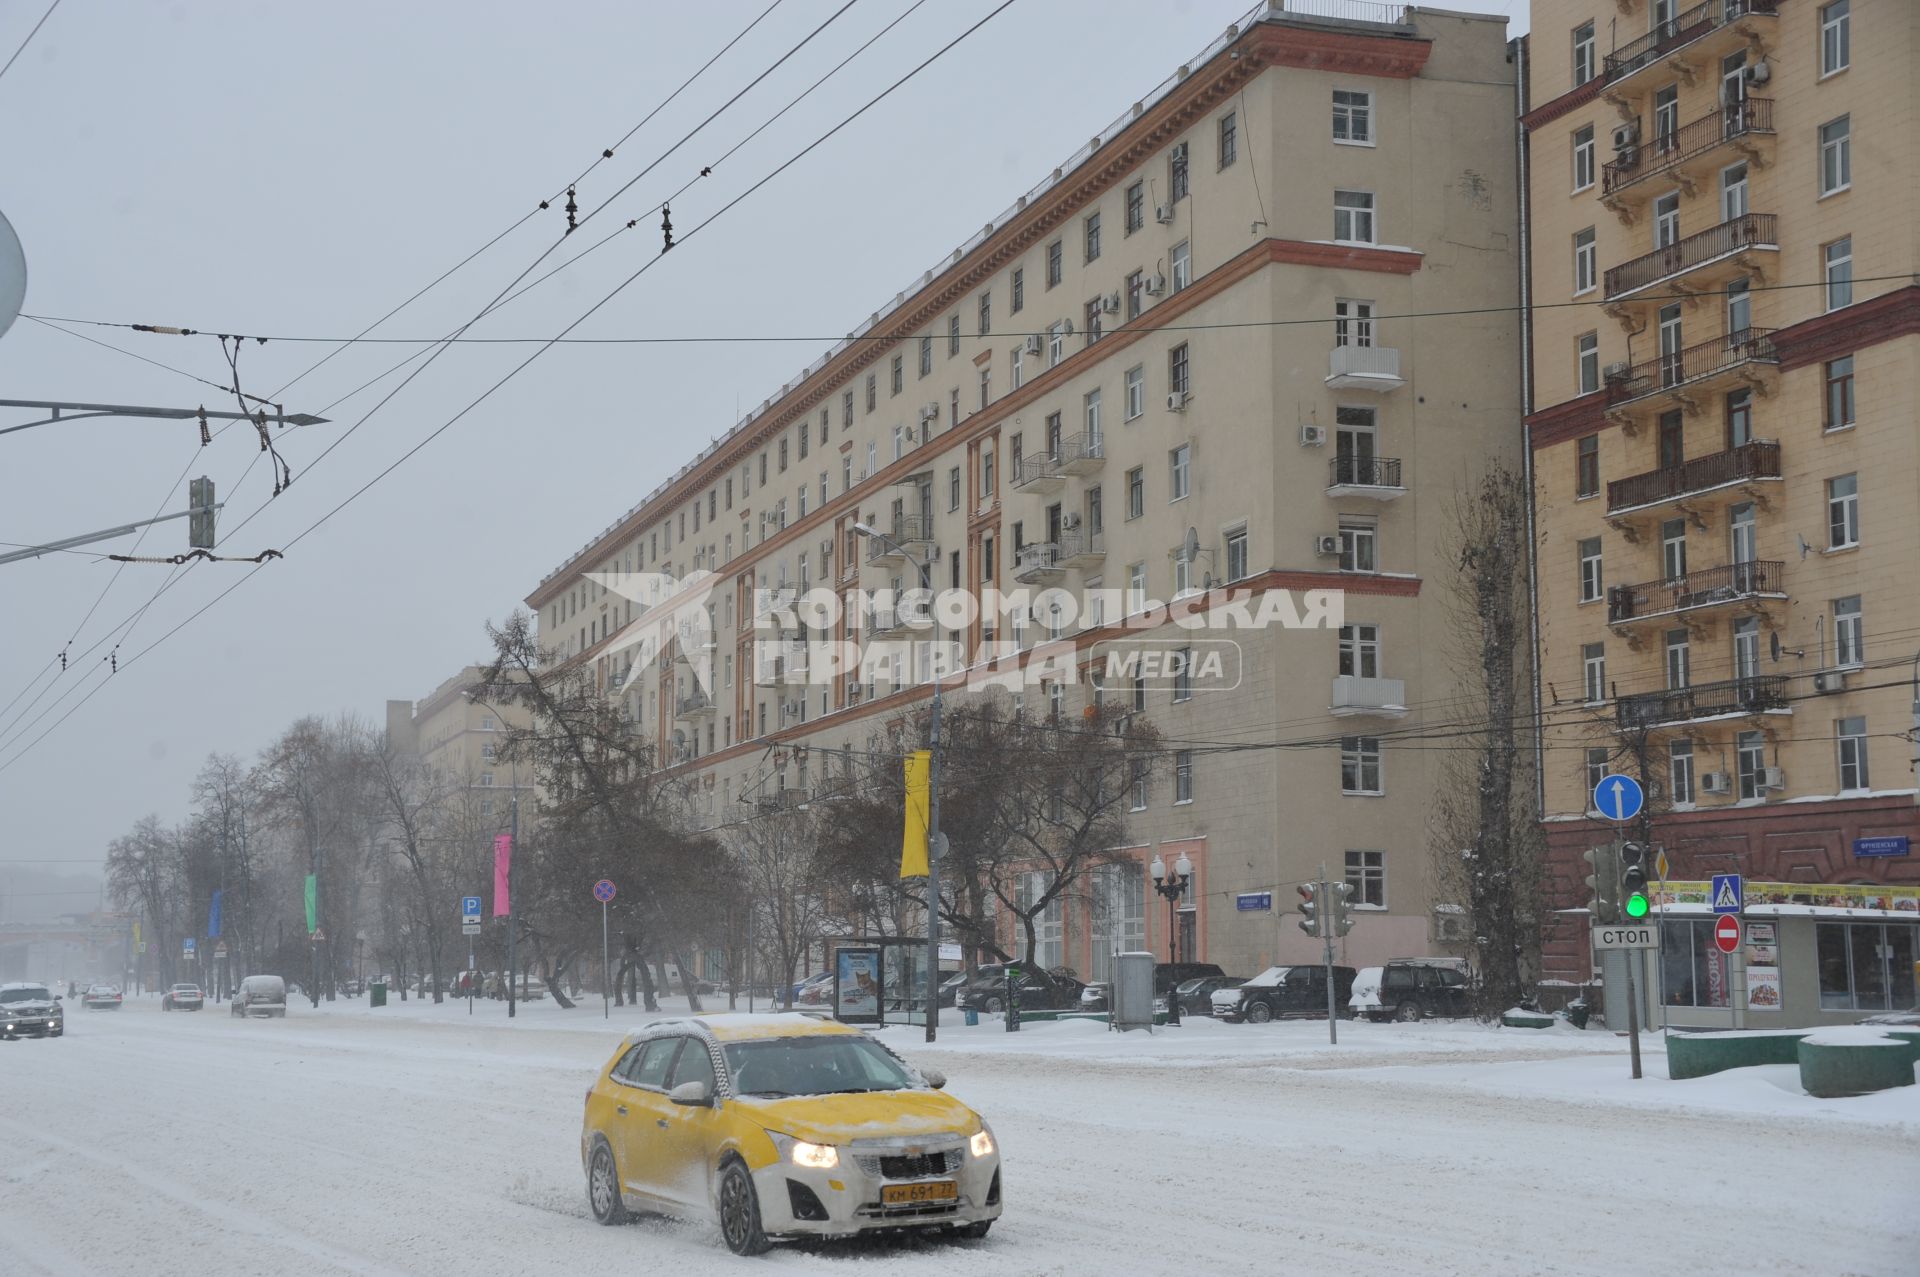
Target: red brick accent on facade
(1883,318)
(1569,420)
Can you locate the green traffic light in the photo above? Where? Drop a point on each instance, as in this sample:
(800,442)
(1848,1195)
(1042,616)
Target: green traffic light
(1637,906)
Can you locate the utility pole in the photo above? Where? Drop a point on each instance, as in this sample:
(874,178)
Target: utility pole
(513,854)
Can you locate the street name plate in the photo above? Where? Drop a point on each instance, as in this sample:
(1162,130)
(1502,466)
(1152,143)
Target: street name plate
(1633,936)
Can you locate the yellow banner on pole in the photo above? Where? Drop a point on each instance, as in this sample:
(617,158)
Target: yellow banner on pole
(913,843)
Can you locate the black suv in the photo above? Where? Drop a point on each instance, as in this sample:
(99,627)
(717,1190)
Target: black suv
(1415,988)
(1037,990)
(1284,991)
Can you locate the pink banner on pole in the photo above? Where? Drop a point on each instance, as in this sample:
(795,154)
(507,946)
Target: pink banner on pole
(502,871)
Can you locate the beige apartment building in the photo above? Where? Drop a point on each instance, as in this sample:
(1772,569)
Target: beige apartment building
(1724,352)
(457,734)
(1178,364)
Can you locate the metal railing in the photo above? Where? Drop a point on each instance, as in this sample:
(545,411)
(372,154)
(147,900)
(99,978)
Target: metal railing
(1041,556)
(1757,460)
(1725,584)
(1079,542)
(694,703)
(1755,694)
(1033,467)
(1379,363)
(1394,15)
(1082,447)
(1681,28)
(1745,231)
(1363,472)
(1647,159)
(1664,372)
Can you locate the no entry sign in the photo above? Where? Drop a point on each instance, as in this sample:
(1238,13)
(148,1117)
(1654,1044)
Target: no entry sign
(1726,933)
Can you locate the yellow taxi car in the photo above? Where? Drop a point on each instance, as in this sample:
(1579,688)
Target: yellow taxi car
(783,1126)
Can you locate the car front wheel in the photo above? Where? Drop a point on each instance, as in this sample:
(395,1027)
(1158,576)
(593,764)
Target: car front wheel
(1407,1012)
(740,1212)
(1259,1013)
(603,1188)
(995,1004)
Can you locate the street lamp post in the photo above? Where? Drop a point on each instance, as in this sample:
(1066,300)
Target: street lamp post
(1172,886)
(933,803)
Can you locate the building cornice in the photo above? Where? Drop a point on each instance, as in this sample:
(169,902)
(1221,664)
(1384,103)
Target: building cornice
(1264,45)
(1548,112)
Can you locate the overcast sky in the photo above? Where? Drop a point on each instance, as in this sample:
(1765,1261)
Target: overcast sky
(297,170)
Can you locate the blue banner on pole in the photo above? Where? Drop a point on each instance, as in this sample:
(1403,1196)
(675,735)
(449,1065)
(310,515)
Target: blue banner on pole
(213,918)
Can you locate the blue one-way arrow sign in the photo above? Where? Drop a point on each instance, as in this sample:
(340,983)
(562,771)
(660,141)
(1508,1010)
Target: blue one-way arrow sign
(1618,798)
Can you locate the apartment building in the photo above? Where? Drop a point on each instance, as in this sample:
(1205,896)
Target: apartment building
(457,734)
(1180,363)
(1724,354)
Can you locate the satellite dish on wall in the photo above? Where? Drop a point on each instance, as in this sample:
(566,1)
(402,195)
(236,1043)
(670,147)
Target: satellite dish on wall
(13,275)
(1191,549)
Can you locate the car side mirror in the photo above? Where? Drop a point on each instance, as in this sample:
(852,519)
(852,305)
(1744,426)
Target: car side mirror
(691,1094)
(935,1078)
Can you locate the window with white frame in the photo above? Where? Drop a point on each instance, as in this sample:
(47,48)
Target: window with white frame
(1849,632)
(1353,217)
(1836,155)
(1055,262)
(1182,776)
(1851,734)
(1136,391)
(1352,322)
(1178,460)
(1680,772)
(1583,157)
(1843,511)
(1593,671)
(953,488)
(1596,771)
(1136,587)
(1177,173)
(1592,579)
(1237,554)
(1360,765)
(1179,370)
(1836,37)
(1587,354)
(1090,236)
(1750,760)
(1142,775)
(1838,259)
(1586,261)
(1360,650)
(1181,259)
(1367,875)
(1585,64)
(1353,117)
(1136,492)
(1056,342)
(1666,220)
(1358,542)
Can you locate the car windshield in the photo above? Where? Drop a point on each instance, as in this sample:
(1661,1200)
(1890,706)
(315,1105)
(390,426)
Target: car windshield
(26,993)
(1272,975)
(826,1065)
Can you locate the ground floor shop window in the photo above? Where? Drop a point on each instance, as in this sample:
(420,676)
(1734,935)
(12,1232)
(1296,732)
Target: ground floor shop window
(1118,914)
(1693,971)
(1866,966)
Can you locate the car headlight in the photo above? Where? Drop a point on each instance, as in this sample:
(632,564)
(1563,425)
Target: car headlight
(981,1145)
(818,1157)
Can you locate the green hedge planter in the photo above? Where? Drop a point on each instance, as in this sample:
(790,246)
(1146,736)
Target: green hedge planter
(1831,1071)
(1699,1054)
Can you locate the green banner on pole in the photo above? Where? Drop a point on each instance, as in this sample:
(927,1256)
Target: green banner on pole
(313,903)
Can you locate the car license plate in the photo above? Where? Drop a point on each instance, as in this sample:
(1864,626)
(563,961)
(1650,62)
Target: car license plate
(906,1194)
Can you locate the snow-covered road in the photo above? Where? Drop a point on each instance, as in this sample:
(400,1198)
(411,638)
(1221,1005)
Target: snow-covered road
(423,1141)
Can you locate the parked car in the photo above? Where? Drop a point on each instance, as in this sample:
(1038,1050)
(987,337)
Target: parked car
(30,1010)
(950,988)
(1037,990)
(183,997)
(815,990)
(1196,995)
(1094,996)
(822,1132)
(1413,989)
(1284,991)
(101,997)
(1168,974)
(264,996)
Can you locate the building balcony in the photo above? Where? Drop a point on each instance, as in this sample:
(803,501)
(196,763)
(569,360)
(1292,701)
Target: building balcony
(1689,156)
(885,620)
(1354,696)
(1364,368)
(907,531)
(1678,706)
(1083,454)
(1690,42)
(1730,587)
(1690,376)
(1702,260)
(1038,474)
(769,602)
(1376,478)
(693,706)
(1736,469)
(1039,563)
(1082,549)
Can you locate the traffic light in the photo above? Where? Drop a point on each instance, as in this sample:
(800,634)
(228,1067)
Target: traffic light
(1633,880)
(1604,883)
(200,514)
(1310,908)
(1338,915)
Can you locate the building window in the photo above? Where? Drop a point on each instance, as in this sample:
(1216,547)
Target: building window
(846,413)
(1136,293)
(1183,776)
(1596,764)
(1136,391)
(1229,138)
(1091,233)
(1360,650)
(1836,155)
(953,335)
(1680,772)
(1017,287)
(1136,492)
(1836,37)
(1357,545)
(1016,367)
(986,388)
(1849,636)
(1360,765)
(1353,217)
(986,472)
(1739,416)
(1839,273)
(1177,465)
(1584,64)
(1237,555)
(1750,755)
(1593,671)
(1866,966)
(1592,580)
(1843,512)
(986,320)
(1852,735)
(1353,117)
(1673,549)
(1182,260)
(1177,173)
(1142,774)
(1352,322)
(873,393)
(926,356)
(1177,370)
(953,488)
(1839,410)
(1586,261)
(1679,659)
(1136,215)
(898,380)
(1586,466)
(1693,971)
(1583,155)
(1137,599)
(1055,266)
(1587,358)
(1183,675)
(1367,875)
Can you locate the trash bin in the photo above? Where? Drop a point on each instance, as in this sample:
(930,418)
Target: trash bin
(377,994)
(973,1017)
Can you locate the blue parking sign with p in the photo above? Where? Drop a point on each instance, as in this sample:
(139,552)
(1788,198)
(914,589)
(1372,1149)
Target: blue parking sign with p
(470,908)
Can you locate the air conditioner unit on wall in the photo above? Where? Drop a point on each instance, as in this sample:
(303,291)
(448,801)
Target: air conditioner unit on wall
(1032,346)
(1110,304)
(1625,135)
(1326,546)
(1618,372)
(1758,73)
(1177,401)
(1163,213)
(1156,284)
(1715,783)
(1313,436)
(1830,681)
(1773,778)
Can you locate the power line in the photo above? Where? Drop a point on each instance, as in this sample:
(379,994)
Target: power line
(29,40)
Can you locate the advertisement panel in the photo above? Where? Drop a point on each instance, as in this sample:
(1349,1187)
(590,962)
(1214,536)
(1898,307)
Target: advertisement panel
(856,986)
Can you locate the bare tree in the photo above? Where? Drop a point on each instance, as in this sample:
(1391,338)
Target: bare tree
(780,867)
